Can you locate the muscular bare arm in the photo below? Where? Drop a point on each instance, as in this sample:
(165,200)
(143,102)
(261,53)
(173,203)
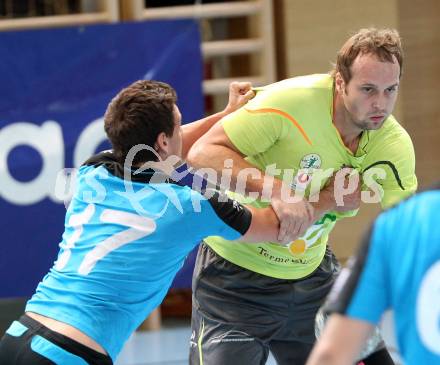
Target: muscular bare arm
(264,226)
(215,147)
(212,149)
(341,342)
(328,196)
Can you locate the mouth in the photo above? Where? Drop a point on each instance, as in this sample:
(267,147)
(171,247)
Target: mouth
(377,118)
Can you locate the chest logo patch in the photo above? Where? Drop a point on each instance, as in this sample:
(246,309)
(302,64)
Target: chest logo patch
(307,164)
(310,161)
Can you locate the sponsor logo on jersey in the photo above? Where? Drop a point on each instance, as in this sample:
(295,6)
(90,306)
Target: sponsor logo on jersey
(307,164)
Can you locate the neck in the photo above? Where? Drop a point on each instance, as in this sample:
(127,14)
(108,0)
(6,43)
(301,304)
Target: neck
(350,134)
(167,163)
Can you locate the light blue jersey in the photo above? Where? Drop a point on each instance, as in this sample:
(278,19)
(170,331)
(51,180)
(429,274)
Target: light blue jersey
(398,268)
(122,246)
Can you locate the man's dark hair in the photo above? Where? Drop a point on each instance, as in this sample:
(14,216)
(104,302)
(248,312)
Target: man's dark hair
(137,115)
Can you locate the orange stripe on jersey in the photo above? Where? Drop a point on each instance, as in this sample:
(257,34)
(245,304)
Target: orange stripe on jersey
(285,115)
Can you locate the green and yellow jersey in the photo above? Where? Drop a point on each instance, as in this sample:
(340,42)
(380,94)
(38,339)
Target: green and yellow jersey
(287,131)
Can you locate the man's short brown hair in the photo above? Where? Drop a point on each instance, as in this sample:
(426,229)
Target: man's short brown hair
(384,43)
(137,115)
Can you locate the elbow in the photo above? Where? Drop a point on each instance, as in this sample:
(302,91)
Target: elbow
(194,154)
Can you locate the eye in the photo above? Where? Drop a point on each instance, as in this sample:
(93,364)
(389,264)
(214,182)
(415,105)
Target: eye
(392,89)
(367,89)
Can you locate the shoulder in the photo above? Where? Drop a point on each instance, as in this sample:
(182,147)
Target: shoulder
(203,200)
(416,213)
(417,207)
(392,135)
(391,143)
(185,194)
(300,86)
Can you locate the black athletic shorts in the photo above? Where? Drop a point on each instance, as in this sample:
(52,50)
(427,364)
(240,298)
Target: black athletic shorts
(28,342)
(239,315)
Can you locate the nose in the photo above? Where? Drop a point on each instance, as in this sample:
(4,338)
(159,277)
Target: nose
(379,103)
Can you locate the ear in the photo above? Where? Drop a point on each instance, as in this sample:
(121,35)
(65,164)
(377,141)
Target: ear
(339,83)
(162,144)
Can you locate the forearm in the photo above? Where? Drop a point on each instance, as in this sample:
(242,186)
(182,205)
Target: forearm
(327,355)
(340,342)
(323,204)
(244,177)
(191,132)
(264,226)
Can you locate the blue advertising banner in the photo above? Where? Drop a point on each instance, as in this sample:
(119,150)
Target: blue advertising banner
(55,86)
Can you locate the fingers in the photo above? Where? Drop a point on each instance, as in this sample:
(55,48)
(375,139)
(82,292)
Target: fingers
(347,186)
(288,229)
(239,94)
(249,95)
(295,219)
(243,89)
(284,228)
(240,87)
(291,230)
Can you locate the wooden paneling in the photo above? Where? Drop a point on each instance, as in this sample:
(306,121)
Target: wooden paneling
(420,24)
(315,29)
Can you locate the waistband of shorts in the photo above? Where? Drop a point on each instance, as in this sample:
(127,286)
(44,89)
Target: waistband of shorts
(66,343)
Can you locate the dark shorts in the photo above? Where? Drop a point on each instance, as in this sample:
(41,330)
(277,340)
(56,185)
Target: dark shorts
(239,315)
(29,342)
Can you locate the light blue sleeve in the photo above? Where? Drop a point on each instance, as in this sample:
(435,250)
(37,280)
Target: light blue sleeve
(214,214)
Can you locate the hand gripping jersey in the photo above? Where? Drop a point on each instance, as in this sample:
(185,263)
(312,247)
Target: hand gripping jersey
(287,131)
(123,243)
(398,268)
